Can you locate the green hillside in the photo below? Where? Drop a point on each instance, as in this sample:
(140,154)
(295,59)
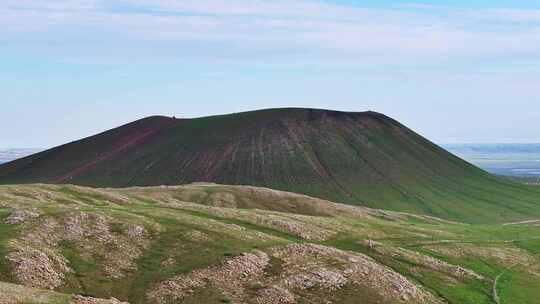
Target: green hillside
(207,243)
(356,158)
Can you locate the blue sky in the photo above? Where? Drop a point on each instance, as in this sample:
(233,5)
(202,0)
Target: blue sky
(455,71)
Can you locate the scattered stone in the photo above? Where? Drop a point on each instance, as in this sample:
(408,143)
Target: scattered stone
(320,278)
(312,266)
(274,295)
(87,300)
(20,216)
(305,267)
(35,268)
(223,199)
(508,257)
(198,236)
(231,278)
(429,262)
(36,255)
(87,225)
(168,262)
(136,232)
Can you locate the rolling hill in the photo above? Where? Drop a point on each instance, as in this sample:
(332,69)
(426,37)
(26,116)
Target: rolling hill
(209,243)
(362,158)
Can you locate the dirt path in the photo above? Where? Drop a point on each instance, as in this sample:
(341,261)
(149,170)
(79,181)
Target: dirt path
(495,295)
(522,222)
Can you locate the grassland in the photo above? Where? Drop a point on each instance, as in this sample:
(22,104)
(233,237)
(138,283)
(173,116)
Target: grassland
(364,159)
(207,243)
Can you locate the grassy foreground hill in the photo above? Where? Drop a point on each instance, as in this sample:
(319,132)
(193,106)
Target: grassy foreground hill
(208,243)
(356,158)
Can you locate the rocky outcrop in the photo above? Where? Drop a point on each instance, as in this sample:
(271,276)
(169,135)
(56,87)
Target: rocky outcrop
(230,278)
(36,256)
(306,267)
(38,268)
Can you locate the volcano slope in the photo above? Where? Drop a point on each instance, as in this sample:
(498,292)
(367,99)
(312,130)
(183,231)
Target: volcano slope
(356,158)
(208,243)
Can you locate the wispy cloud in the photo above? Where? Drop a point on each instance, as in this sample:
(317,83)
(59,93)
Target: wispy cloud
(239,29)
(56,5)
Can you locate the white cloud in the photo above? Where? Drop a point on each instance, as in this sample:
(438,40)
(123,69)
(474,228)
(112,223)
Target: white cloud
(63,5)
(240,27)
(269,8)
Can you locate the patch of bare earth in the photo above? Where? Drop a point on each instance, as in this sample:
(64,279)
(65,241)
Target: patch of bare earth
(231,278)
(88,300)
(17,294)
(308,266)
(506,256)
(36,256)
(306,269)
(198,236)
(93,236)
(304,227)
(20,216)
(274,294)
(427,261)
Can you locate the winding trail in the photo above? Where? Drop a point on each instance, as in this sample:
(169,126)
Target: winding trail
(495,295)
(522,223)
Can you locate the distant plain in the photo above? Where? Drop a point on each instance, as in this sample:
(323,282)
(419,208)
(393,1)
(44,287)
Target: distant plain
(7,155)
(517,160)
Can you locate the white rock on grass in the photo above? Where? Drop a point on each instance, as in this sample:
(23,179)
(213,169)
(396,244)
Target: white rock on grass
(20,216)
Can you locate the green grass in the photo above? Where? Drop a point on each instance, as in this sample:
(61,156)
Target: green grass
(247,225)
(25,295)
(172,242)
(87,277)
(348,294)
(518,286)
(92,199)
(470,292)
(356,158)
(192,255)
(533,246)
(208,294)
(172,250)
(7,232)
